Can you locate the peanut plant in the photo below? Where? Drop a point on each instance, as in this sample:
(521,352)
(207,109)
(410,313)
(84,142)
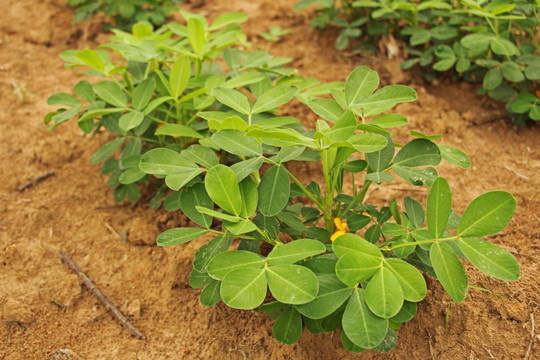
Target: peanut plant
(492,42)
(163,91)
(311,254)
(125,14)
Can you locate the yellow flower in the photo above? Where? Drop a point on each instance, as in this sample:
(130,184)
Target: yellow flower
(341,228)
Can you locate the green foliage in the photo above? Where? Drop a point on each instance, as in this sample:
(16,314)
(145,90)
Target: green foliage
(124,14)
(493,42)
(345,263)
(275,33)
(167,89)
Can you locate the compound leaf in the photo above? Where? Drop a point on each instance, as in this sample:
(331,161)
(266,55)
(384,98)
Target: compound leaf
(487,214)
(274,191)
(384,296)
(439,205)
(412,282)
(193,197)
(449,270)
(361,83)
(490,258)
(288,326)
(295,251)
(207,252)
(361,326)
(225,262)
(244,288)
(292,284)
(222,186)
(332,294)
(273,98)
(236,142)
(179,236)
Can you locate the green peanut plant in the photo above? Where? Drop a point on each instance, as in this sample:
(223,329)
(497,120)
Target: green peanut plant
(313,255)
(125,14)
(160,91)
(489,41)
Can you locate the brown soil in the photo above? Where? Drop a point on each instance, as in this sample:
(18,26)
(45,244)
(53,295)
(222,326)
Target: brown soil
(73,209)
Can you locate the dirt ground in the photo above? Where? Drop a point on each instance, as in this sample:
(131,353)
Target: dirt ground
(73,210)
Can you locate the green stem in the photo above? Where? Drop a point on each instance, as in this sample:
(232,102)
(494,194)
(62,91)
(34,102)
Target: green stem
(178,117)
(327,206)
(297,182)
(198,67)
(121,86)
(152,141)
(267,239)
(191,119)
(156,119)
(359,197)
(492,26)
(422,242)
(147,70)
(236,236)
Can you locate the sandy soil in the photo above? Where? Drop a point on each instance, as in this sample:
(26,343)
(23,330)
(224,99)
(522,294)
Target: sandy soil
(74,209)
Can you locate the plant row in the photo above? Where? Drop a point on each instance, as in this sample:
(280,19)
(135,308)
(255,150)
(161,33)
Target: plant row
(493,42)
(123,13)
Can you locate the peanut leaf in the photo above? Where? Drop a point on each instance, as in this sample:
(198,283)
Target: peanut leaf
(487,214)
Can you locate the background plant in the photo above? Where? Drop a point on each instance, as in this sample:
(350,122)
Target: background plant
(331,259)
(274,34)
(159,93)
(489,41)
(125,14)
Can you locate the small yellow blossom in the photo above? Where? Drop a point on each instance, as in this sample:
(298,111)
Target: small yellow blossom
(341,228)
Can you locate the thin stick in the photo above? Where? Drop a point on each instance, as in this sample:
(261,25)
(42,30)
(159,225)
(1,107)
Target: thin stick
(532,339)
(430,346)
(109,305)
(516,173)
(489,352)
(35,181)
(110,228)
(244,354)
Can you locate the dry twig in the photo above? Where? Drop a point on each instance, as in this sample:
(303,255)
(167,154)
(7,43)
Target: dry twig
(108,304)
(532,339)
(244,354)
(110,228)
(430,346)
(489,352)
(524,177)
(35,181)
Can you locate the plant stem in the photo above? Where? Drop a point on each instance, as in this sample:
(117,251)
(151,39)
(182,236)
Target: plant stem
(193,117)
(327,206)
(422,242)
(237,236)
(152,141)
(359,197)
(297,182)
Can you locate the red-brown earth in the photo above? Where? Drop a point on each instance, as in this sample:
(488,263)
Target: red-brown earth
(73,210)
